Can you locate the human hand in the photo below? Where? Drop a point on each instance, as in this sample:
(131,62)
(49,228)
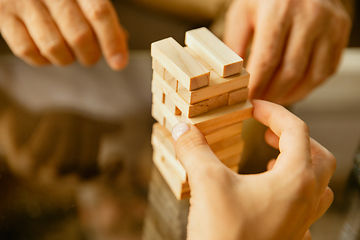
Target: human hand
(47,31)
(296,44)
(280,203)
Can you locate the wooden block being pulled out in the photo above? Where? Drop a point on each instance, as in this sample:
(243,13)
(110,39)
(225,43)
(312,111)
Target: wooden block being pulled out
(210,48)
(210,121)
(223,133)
(180,64)
(222,117)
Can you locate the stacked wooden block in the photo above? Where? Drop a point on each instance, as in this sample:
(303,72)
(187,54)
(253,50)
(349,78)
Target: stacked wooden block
(203,84)
(166,217)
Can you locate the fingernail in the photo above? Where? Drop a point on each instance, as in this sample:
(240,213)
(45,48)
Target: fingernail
(179,130)
(117,60)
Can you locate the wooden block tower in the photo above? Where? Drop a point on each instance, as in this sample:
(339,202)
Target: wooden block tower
(203,84)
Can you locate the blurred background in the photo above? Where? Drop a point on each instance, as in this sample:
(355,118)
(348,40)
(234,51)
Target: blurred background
(75,153)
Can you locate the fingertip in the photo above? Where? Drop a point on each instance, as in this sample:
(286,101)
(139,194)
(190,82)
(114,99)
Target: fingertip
(118,61)
(271,138)
(179,129)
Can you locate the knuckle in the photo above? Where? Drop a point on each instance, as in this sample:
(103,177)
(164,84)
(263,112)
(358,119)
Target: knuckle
(52,47)
(80,37)
(302,126)
(306,186)
(290,74)
(318,77)
(330,159)
(92,59)
(269,61)
(99,10)
(24,51)
(345,21)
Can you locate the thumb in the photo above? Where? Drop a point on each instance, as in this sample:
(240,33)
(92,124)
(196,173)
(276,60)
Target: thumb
(192,150)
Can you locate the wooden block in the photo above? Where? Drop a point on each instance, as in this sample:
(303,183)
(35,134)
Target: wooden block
(169,158)
(225,132)
(162,133)
(161,197)
(157,225)
(232,161)
(158,68)
(150,232)
(198,109)
(210,48)
(157,115)
(171,106)
(217,86)
(186,109)
(173,83)
(239,95)
(156,91)
(180,64)
(170,119)
(235,149)
(210,121)
(198,58)
(177,186)
(164,74)
(166,216)
(226,143)
(221,117)
(218,101)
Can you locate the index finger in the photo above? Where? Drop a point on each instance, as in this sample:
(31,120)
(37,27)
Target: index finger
(267,49)
(293,133)
(112,39)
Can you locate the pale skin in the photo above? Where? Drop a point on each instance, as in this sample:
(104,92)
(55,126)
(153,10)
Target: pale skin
(59,31)
(280,203)
(296,44)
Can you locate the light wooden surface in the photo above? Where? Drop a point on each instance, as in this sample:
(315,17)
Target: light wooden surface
(211,49)
(217,85)
(180,64)
(225,132)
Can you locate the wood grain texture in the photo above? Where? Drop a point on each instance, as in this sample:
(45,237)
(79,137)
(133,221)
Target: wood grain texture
(161,110)
(218,101)
(161,140)
(239,95)
(222,133)
(158,68)
(211,49)
(157,114)
(166,216)
(180,64)
(228,152)
(159,85)
(217,86)
(176,185)
(226,143)
(221,117)
(232,161)
(171,106)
